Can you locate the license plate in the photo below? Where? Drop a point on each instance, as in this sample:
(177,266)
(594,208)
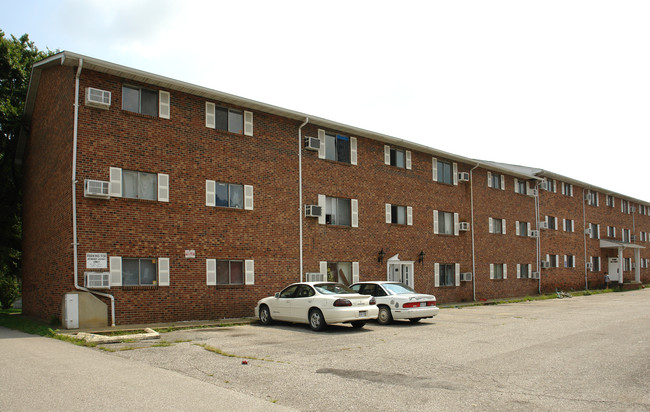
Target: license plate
(363,313)
(423,303)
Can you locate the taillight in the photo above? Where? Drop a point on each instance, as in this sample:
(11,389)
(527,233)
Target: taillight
(411,305)
(342,302)
(431,303)
(372,301)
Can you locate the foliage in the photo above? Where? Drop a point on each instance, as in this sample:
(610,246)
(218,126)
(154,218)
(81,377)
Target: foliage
(11,320)
(17,55)
(9,291)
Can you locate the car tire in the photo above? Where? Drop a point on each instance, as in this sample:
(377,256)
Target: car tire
(265,315)
(357,324)
(385,317)
(415,320)
(316,320)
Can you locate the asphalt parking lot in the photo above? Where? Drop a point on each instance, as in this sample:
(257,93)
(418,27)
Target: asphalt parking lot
(584,353)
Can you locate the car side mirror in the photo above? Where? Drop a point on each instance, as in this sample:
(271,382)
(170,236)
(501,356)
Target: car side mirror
(277,295)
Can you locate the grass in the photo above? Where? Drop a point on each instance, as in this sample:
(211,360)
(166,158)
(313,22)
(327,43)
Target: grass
(231,355)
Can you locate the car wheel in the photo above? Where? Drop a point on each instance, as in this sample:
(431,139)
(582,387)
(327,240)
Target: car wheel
(358,324)
(415,320)
(316,320)
(385,317)
(265,315)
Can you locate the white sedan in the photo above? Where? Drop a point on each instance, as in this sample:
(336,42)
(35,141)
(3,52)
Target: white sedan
(398,301)
(317,304)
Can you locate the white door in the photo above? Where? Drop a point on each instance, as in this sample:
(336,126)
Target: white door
(614,270)
(401,272)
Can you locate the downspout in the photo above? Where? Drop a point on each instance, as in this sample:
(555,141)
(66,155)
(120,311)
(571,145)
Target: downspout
(538,241)
(584,225)
(74,195)
(300,212)
(471,199)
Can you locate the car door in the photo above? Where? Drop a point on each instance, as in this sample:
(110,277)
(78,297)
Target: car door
(303,300)
(281,309)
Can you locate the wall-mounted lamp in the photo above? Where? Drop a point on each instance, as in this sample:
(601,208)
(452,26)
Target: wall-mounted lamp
(421,257)
(380,255)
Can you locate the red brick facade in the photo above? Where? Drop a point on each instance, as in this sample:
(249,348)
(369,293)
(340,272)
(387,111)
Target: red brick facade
(189,153)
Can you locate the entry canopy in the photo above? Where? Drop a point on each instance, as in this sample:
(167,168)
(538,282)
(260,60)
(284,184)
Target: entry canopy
(615,244)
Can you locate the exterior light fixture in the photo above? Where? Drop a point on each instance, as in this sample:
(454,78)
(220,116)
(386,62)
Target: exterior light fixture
(380,255)
(421,257)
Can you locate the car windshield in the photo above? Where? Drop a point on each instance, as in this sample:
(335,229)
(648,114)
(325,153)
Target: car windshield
(397,288)
(333,289)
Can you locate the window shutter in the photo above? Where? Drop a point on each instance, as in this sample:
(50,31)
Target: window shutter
(354,209)
(163,271)
(210,193)
(530,270)
(527,187)
(490,225)
(564,225)
(517,230)
(565,261)
(115,185)
(386,154)
(503,182)
(211,272)
(518,271)
(164,104)
(116,270)
(528,228)
(355,272)
(435,222)
(408,159)
(210,116)
(505,271)
(489,179)
(457,273)
(436,271)
(323,270)
(353,150)
(573,229)
(248,197)
(491,270)
(409,215)
(322,204)
(503,226)
(321,149)
(455,171)
(248,123)
(163,187)
(434,165)
(456,225)
(516,185)
(249,267)
(388,216)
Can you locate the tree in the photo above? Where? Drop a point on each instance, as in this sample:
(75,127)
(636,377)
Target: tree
(16,59)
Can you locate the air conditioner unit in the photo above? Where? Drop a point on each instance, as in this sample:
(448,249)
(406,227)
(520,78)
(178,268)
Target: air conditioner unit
(464,226)
(543,225)
(312,143)
(588,231)
(98,98)
(96,188)
(534,233)
(532,192)
(313,211)
(589,265)
(463,177)
(535,275)
(315,277)
(588,197)
(543,185)
(545,264)
(97,280)
(466,277)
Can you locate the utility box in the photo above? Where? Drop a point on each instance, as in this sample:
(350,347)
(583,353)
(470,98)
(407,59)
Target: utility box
(71,311)
(83,310)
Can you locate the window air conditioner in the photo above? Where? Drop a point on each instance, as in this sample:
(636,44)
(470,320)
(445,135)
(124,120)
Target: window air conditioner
(466,277)
(588,231)
(532,192)
(534,233)
(312,143)
(464,226)
(463,177)
(315,277)
(543,185)
(543,225)
(588,197)
(535,275)
(97,280)
(96,188)
(545,264)
(589,266)
(313,211)
(98,98)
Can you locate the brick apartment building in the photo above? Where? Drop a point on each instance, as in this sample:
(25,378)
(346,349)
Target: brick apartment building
(171,202)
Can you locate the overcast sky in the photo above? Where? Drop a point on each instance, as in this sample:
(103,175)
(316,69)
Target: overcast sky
(558,85)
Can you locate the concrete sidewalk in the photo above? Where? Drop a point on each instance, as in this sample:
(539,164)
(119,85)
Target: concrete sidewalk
(38,374)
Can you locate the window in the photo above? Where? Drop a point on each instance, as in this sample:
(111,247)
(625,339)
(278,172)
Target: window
(595,263)
(595,231)
(520,187)
(626,207)
(447,275)
(592,198)
(337,147)
(445,172)
(610,201)
(567,189)
(138,272)
(522,228)
(626,235)
(401,215)
(569,261)
(445,222)
(568,225)
(230,272)
(627,264)
(337,211)
(523,271)
(228,120)
(551,185)
(139,185)
(552,260)
(497,226)
(138,100)
(228,195)
(551,222)
(498,271)
(340,272)
(496,181)
(611,232)
(397,157)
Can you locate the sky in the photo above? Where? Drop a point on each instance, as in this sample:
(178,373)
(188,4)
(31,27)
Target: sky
(562,86)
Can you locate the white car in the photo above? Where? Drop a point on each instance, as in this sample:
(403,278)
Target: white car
(317,304)
(398,301)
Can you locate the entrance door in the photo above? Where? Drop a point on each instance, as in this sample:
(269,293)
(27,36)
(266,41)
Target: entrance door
(401,272)
(614,270)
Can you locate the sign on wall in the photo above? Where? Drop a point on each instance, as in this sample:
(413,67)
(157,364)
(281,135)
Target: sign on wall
(96,261)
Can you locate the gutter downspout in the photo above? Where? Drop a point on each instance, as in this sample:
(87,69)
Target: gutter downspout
(538,248)
(300,212)
(471,198)
(584,236)
(74,194)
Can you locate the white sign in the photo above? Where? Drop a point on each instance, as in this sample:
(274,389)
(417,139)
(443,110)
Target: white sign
(96,261)
(190,254)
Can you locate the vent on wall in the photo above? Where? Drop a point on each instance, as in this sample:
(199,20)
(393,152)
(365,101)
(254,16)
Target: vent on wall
(98,98)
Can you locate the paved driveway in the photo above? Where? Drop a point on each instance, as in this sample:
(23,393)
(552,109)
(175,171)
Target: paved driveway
(585,353)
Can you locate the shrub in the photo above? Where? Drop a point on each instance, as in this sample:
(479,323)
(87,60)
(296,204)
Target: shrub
(9,291)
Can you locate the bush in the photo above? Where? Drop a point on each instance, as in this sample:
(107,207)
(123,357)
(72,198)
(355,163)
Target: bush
(9,291)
